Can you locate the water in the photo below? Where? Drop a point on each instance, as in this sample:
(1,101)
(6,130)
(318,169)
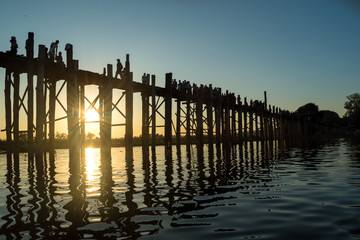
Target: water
(258,192)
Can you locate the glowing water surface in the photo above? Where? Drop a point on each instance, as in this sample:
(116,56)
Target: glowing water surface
(263,191)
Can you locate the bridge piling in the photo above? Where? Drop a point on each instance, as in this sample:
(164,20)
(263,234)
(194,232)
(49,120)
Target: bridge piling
(199,116)
(178,122)
(40,106)
(153,112)
(52,103)
(210,105)
(8,108)
(129,106)
(168,103)
(30,94)
(240,131)
(16,110)
(145,114)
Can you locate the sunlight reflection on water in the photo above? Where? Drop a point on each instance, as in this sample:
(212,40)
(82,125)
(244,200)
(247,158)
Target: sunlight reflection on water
(265,191)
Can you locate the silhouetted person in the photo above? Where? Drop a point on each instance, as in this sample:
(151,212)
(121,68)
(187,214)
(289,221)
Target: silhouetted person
(119,68)
(28,45)
(14,46)
(53,50)
(144,78)
(59,60)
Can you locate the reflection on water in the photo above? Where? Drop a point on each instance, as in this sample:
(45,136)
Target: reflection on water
(266,190)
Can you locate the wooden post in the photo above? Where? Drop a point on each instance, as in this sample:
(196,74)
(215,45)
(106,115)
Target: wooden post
(8,109)
(251,121)
(101,106)
(226,132)
(262,137)
(40,107)
(129,106)
(107,91)
(82,113)
(145,114)
(16,111)
(153,112)
(218,117)
(256,116)
(245,109)
(279,123)
(210,105)
(266,133)
(178,119)
(270,125)
(274,123)
(168,100)
(52,101)
(188,123)
(72,91)
(199,116)
(30,83)
(240,119)
(233,118)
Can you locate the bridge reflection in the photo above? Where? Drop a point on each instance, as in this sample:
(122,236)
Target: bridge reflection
(125,194)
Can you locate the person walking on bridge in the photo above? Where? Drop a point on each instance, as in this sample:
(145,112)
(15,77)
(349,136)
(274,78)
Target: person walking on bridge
(53,50)
(119,67)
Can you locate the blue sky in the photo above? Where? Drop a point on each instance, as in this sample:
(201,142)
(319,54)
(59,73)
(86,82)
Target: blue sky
(298,51)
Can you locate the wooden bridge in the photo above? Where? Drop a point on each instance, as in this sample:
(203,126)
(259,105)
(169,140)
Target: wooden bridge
(202,115)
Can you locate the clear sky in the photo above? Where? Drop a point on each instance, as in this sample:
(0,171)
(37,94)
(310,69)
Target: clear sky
(298,51)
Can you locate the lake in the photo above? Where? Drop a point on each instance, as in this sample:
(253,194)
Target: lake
(277,190)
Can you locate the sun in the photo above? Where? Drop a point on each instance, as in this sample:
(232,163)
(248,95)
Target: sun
(91,115)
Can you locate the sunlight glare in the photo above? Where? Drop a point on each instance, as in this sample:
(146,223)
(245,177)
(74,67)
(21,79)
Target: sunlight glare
(91,115)
(92,169)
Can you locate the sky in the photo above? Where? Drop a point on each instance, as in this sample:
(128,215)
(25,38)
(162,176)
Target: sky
(299,52)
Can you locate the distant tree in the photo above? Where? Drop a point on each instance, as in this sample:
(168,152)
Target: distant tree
(90,136)
(352,107)
(308,109)
(61,136)
(330,118)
